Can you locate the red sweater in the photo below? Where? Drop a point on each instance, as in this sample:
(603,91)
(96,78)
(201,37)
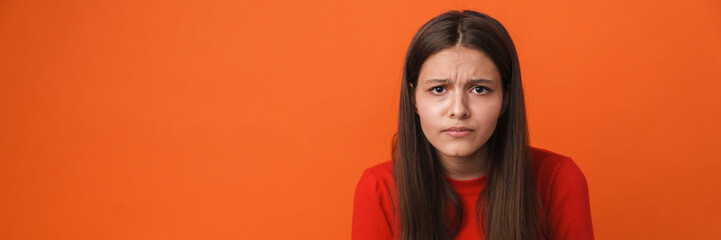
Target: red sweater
(561,185)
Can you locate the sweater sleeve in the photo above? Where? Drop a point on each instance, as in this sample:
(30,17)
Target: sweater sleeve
(570,210)
(369,219)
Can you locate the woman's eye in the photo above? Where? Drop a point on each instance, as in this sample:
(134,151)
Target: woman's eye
(481,90)
(437,90)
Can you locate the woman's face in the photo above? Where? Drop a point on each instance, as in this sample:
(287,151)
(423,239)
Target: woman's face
(458,87)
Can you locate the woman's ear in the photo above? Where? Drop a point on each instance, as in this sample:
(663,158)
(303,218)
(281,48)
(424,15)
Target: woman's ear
(413,98)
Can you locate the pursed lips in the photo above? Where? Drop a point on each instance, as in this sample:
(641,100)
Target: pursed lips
(458,131)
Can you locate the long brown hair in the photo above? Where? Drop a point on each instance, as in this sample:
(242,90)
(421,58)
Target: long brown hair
(509,203)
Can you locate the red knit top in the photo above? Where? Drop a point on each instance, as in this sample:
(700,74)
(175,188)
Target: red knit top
(561,185)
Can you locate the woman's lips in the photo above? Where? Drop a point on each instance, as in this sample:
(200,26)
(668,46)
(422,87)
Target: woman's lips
(458,132)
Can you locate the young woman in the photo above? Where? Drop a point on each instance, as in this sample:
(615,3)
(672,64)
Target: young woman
(461,166)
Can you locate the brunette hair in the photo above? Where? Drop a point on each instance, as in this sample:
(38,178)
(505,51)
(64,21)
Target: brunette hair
(509,204)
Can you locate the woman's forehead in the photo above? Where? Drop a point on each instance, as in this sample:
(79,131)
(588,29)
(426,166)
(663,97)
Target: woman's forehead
(436,81)
(458,64)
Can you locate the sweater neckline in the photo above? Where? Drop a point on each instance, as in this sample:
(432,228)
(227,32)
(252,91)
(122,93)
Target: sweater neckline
(465,187)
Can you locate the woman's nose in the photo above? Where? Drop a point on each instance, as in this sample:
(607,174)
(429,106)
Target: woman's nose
(459,106)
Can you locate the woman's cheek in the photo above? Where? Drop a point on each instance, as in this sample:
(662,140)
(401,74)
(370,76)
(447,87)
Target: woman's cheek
(431,121)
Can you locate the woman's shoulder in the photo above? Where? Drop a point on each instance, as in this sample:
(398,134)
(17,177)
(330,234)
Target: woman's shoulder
(556,172)
(373,204)
(377,180)
(546,160)
(564,192)
(382,171)
(549,166)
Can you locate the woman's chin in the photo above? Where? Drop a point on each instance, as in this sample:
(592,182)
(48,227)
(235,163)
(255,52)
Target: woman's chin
(457,150)
(458,153)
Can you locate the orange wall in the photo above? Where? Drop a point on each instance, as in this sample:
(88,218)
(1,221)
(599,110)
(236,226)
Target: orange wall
(255,120)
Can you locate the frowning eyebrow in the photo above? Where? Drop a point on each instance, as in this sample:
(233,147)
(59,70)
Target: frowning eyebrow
(472,81)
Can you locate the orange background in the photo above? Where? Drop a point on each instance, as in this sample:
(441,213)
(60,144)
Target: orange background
(254,120)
